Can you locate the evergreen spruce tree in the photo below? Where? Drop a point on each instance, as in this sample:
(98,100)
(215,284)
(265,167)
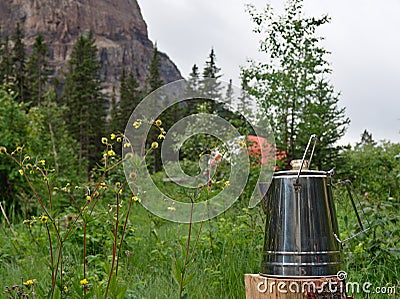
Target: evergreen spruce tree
(19,65)
(154,79)
(6,64)
(114,109)
(192,87)
(37,70)
(366,140)
(194,80)
(211,89)
(322,116)
(130,97)
(84,99)
(153,82)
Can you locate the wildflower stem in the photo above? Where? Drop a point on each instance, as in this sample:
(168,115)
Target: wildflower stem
(187,250)
(53,277)
(50,197)
(114,246)
(84,254)
(123,230)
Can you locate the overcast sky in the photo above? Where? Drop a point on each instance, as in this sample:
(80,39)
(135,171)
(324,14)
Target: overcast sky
(363,36)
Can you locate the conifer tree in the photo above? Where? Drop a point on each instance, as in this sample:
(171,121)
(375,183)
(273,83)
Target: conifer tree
(37,70)
(192,87)
(6,64)
(154,79)
(130,97)
(211,89)
(193,80)
(112,123)
(84,99)
(366,140)
(19,64)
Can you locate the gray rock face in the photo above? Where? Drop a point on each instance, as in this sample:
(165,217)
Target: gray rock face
(118,26)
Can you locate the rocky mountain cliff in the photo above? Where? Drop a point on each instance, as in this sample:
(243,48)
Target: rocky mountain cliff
(118,26)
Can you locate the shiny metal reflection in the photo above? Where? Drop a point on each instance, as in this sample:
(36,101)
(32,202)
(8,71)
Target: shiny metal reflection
(301,226)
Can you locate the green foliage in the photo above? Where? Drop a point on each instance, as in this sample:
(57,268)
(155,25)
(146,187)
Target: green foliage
(130,97)
(211,89)
(154,80)
(374,171)
(14,133)
(38,71)
(6,64)
(19,65)
(42,132)
(86,104)
(292,85)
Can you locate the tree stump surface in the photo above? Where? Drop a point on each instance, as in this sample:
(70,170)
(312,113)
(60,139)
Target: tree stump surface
(267,287)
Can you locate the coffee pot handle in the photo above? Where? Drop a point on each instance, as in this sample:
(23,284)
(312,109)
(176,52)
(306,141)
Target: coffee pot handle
(304,157)
(363,230)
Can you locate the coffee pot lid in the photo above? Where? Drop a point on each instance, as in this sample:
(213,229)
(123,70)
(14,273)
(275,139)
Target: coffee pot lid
(296,164)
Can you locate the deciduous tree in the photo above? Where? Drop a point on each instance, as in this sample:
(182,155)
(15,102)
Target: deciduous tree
(292,83)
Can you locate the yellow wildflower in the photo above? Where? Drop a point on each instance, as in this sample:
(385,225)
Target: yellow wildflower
(29,282)
(227,183)
(21,172)
(65,289)
(127,145)
(3,150)
(111,153)
(135,198)
(43,162)
(104,140)
(27,157)
(102,185)
(119,139)
(136,124)
(112,136)
(84,282)
(161,136)
(154,145)
(44,219)
(19,149)
(242,144)
(88,198)
(163,131)
(158,122)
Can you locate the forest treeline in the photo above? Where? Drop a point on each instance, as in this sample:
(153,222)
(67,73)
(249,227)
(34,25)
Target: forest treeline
(64,119)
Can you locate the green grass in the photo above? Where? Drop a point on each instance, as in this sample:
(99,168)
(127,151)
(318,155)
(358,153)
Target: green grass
(228,247)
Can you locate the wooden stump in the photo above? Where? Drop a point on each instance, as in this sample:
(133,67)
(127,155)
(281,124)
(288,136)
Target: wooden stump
(267,287)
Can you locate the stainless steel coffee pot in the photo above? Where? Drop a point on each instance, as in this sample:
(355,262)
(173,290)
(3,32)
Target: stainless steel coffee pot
(301,234)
